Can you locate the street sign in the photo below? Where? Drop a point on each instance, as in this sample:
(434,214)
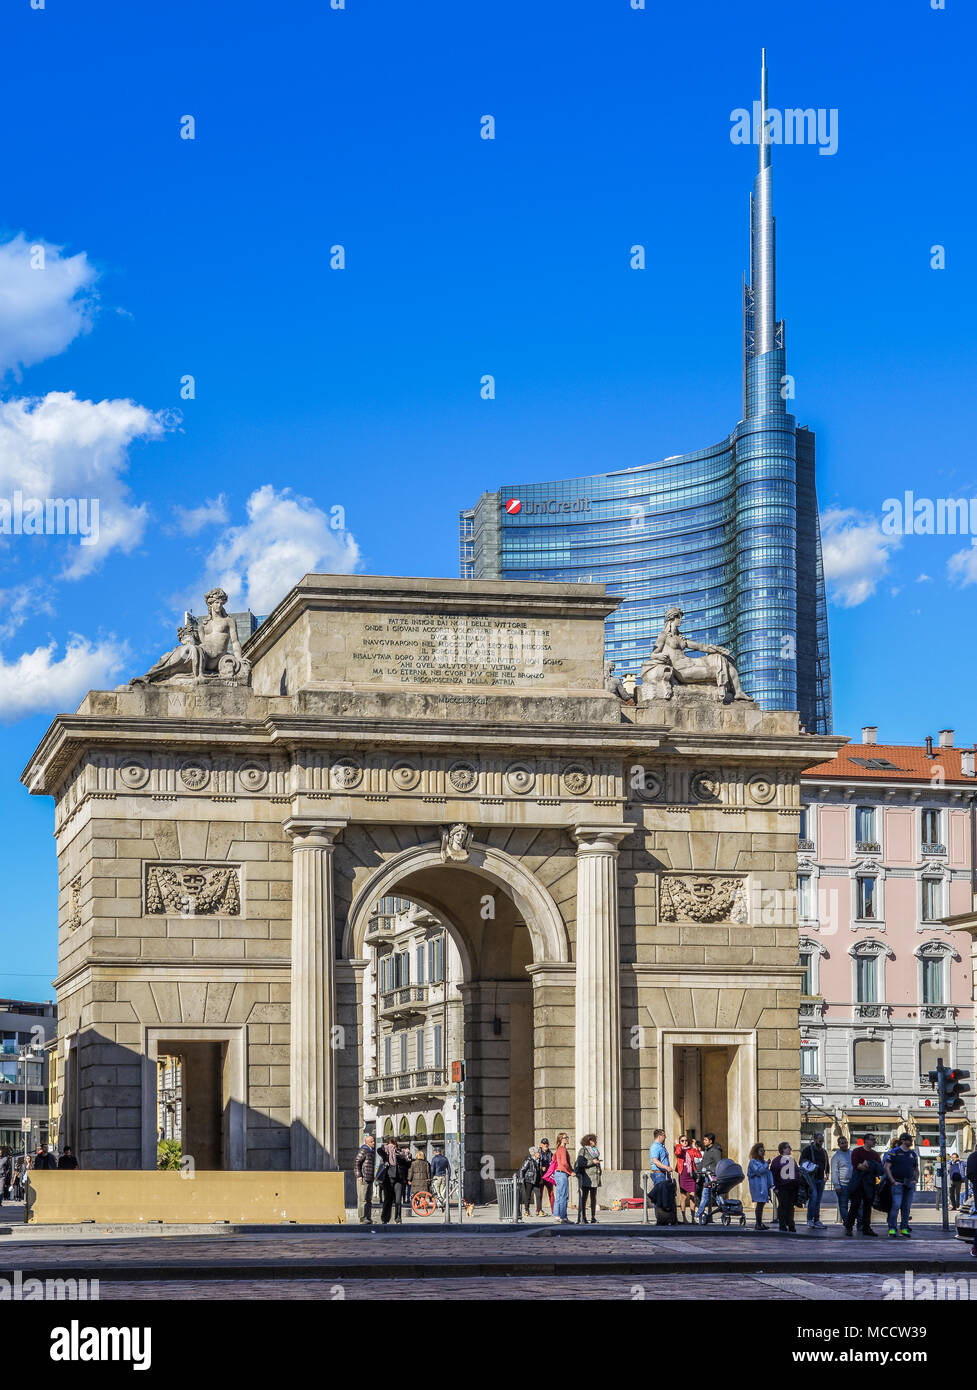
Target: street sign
(457,1072)
(26,1124)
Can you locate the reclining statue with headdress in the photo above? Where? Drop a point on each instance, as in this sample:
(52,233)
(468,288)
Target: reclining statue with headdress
(207,648)
(669,666)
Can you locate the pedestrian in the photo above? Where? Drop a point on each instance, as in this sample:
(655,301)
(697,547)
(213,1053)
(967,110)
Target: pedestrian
(658,1158)
(841,1176)
(866,1171)
(814,1161)
(21,1171)
(972,1180)
(419,1175)
(394,1182)
(711,1154)
(958,1176)
(67,1159)
(561,1178)
(440,1173)
(547,1167)
(588,1171)
(45,1160)
(783,1169)
(6,1175)
(365,1167)
(902,1170)
(531,1177)
(761,1182)
(687,1155)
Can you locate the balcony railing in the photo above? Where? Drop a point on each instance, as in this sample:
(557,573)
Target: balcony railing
(930,847)
(937,1011)
(867,847)
(869,1078)
(871,1010)
(411,999)
(805,844)
(423,1081)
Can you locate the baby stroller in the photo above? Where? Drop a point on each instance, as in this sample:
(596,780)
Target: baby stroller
(728,1175)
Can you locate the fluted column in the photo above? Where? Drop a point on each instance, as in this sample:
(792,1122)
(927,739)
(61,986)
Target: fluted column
(597,1068)
(314,1129)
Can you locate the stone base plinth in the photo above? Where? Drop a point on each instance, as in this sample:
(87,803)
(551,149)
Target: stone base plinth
(616,1183)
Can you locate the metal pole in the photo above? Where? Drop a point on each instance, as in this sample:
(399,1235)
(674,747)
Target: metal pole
(27,1132)
(943,1187)
(460,1101)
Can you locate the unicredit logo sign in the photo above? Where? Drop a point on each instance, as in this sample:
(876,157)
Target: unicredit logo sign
(552,506)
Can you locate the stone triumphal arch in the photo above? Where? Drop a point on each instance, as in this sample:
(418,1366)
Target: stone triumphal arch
(616,874)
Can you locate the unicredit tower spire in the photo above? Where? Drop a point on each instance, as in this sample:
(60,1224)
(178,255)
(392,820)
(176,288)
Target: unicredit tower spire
(728,532)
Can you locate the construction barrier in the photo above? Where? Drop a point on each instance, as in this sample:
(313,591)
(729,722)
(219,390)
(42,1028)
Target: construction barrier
(241,1198)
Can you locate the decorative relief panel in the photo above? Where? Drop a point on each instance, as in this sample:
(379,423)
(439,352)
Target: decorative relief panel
(576,778)
(702,898)
(463,776)
(705,786)
(405,774)
(193,890)
(762,789)
(133,773)
(74,905)
(520,778)
(194,774)
(346,773)
(253,777)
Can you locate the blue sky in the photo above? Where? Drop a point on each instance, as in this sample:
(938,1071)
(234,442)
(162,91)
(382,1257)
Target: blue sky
(359,389)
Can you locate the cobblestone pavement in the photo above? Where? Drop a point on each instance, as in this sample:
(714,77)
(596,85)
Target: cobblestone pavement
(281,1255)
(712,1288)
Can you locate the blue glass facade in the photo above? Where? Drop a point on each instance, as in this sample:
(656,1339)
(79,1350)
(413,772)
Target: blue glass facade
(730,533)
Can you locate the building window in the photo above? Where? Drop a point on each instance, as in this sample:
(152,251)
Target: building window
(865,898)
(932,889)
(438,1045)
(865,825)
(388,1055)
(805,897)
(419,962)
(809,1062)
(930,827)
(866,980)
(435,960)
(419,1046)
(403,1050)
(807,965)
(929,1054)
(869,1057)
(802,825)
(401,964)
(932,980)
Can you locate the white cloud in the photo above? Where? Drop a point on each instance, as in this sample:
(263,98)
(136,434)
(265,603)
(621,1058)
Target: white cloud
(961,568)
(40,680)
(856,554)
(46,301)
(285,538)
(213,512)
(924,579)
(20,603)
(59,446)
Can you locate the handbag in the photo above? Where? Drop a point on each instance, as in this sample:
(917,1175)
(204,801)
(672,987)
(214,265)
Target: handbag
(882,1200)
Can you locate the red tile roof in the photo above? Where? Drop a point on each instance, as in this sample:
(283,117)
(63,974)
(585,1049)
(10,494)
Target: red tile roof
(910,764)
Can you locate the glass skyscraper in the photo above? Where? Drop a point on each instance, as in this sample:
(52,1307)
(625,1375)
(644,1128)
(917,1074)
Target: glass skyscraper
(730,532)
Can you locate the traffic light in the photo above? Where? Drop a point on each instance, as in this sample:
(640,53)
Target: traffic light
(933,1078)
(954,1088)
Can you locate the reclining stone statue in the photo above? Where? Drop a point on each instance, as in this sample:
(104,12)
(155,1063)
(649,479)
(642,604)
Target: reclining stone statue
(207,649)
(669,666)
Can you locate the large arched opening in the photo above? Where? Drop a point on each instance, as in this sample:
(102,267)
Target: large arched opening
(502,925)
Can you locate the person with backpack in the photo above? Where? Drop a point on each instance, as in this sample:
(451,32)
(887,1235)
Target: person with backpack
(902,1170)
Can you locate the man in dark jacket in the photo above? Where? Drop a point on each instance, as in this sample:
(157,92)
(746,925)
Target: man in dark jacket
(814,1162)
(44,1159)
(972,1179)
(364,1166)
(440,1173)
(866,1167)
(6,1176)
(67,1159)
